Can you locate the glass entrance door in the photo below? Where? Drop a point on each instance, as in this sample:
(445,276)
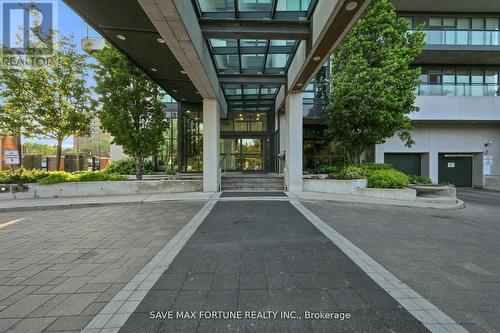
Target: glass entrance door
(242,154)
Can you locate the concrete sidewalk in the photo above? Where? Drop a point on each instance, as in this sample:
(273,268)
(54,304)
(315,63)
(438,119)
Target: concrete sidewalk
(53,203)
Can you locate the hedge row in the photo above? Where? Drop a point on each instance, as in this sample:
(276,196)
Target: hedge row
(379,175)
(23,176)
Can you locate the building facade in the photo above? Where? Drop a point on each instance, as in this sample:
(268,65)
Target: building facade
(238,69)
(457,129)
(7,143)
(251,88)
(97,143)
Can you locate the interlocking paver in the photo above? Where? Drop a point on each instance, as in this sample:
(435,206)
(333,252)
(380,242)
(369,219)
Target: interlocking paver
(25,306)
(59,268)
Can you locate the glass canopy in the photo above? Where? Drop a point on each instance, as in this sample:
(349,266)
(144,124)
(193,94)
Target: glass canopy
(264,61)
(252,56)
(259,9)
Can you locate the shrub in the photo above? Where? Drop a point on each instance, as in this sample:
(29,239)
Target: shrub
(388,179)
(21,176)
(98,177)
(325,169)
(348,172)
(376,166)
(419,180)
(127,167)
(171,172)
(55,177)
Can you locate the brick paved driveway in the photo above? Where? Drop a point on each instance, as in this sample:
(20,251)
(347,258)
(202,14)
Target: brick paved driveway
(58,268)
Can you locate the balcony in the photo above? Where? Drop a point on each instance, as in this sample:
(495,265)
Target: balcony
(458,90)
(462,37)
(479,47)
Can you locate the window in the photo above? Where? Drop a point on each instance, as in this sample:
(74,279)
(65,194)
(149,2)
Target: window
(458,30)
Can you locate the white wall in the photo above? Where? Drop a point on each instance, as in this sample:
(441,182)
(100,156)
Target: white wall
(447,138)
(457,108)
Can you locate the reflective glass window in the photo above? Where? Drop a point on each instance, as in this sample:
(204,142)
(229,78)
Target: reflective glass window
(216,5)
(435,22)
(277,60)
(252,61)
(255,5)
(478,23)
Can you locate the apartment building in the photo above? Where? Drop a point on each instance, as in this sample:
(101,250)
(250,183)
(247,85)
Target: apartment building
(457,130)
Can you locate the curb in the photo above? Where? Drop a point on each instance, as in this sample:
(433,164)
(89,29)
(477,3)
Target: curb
(407,204)
(459,205)
(91,204)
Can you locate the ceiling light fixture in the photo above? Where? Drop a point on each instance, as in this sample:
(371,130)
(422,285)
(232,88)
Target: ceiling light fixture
(160,40)
(153,69)
(351,6)
(121,37)
(175,90)
(299,84)
(316,58)
(183,72)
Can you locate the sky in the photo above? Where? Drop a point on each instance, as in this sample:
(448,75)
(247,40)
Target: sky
(69,23)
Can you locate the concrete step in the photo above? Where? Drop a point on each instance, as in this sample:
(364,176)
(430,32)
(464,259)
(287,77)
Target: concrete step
(250,183)
(253,189)
(253,183)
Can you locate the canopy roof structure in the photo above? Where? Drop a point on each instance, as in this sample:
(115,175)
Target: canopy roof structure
(245,53)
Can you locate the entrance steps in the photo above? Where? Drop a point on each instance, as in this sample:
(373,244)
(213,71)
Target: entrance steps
(253,182)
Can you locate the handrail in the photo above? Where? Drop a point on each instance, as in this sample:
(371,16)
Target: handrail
(443,36)
(220,180)
(458,89)
(222,161)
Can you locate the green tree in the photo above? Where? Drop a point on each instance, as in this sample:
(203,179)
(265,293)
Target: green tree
(34,148)
(51,102)
(373,82)
(131,107)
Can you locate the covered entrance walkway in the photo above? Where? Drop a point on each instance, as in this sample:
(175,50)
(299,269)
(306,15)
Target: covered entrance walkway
(238,68)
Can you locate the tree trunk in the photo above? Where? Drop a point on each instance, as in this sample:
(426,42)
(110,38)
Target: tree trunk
(58,154)
(138,167)
(19,149)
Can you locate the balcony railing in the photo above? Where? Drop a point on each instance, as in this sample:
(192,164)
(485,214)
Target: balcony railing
(458,90)
(462,37)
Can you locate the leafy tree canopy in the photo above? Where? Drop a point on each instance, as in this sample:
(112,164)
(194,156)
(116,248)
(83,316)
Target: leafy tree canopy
(131,107)
(373,82)
(50,101)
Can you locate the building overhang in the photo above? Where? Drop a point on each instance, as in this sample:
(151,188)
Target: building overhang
(448,6)
(125,18)
(459,55)
(190,47)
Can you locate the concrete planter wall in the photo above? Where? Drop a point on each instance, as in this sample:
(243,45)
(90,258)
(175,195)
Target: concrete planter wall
(334,185)
(106,188)
(405,194)
(435,194)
